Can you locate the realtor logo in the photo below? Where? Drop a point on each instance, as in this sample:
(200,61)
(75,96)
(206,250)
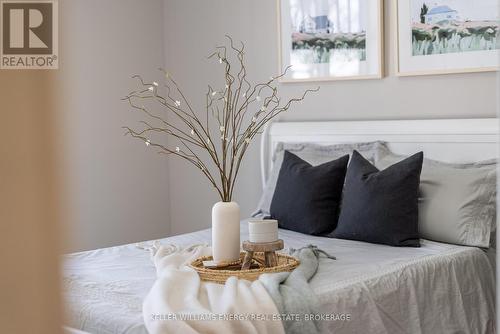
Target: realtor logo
(29,35)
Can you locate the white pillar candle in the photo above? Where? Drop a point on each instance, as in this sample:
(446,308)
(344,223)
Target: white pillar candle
(263,230)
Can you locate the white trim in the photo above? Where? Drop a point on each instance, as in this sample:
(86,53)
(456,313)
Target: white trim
(452,140)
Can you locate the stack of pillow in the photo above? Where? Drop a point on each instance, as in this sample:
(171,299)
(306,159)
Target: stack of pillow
(365,192)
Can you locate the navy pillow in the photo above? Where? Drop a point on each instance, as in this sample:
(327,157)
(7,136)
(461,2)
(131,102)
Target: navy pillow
(307,198)
(381,206)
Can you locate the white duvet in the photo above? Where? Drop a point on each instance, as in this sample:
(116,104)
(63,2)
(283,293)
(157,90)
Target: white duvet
(437,288)
(179,302)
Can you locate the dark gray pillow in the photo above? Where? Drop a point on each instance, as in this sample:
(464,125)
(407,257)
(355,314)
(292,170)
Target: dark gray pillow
(315,154)
(457,201)
(307,198)
(381,206)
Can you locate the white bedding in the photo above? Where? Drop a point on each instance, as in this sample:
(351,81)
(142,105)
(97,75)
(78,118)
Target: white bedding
(437,288)
(179,291)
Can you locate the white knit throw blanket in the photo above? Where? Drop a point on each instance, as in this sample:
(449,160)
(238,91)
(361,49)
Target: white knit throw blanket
(179,302)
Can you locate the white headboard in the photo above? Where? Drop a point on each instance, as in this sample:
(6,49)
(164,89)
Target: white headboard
(450,140)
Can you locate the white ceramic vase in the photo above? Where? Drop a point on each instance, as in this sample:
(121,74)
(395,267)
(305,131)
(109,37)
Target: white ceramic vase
(226,231)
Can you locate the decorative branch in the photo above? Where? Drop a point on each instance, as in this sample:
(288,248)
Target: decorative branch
(239,112)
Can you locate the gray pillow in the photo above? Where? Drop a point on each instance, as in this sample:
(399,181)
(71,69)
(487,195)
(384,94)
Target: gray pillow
(314,154)
(456,201)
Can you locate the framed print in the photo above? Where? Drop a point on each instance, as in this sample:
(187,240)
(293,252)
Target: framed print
(330,39)
(447,36)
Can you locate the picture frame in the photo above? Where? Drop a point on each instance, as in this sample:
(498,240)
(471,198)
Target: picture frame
(414,58)
(352,49)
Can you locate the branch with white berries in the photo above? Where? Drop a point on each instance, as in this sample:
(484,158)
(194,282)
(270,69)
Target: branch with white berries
(239,112)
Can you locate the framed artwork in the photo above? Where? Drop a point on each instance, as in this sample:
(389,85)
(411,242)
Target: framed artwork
(330,39)
(447,36)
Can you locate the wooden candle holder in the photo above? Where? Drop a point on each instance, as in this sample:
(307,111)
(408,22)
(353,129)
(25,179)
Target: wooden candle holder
(268,248)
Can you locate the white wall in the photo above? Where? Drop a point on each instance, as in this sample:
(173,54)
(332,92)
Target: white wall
(116,190)
(193,28)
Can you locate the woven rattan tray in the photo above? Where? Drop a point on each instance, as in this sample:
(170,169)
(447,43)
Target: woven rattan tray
(285,263)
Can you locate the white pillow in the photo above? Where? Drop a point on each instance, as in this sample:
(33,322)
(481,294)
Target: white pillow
(457,202)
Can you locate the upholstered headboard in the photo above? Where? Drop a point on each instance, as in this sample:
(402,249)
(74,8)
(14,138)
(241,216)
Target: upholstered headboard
(450,140)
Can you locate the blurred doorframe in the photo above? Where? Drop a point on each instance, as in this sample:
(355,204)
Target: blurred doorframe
(30,299)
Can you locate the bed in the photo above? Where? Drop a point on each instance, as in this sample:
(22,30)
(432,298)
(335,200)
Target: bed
(381,288)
